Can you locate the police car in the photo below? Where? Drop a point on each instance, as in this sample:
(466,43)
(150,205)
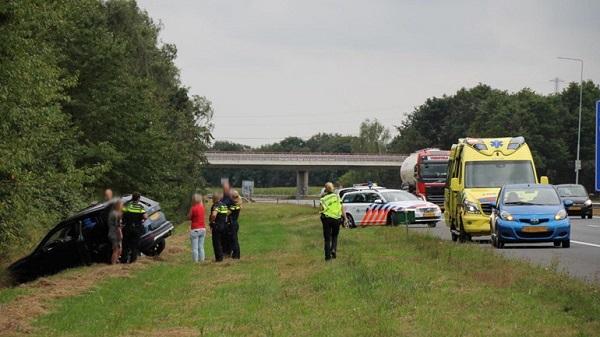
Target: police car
(379,206)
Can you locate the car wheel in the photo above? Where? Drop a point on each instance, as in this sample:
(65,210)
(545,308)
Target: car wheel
(557,243)
(351,223)
(431,224)
(156,249)
(498,243)
(583,216)
(462,235)
(591,215)
(566,243)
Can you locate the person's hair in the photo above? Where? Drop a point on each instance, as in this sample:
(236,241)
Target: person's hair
(235,195)
(329,187)
(118,205)
(136,196)
(196,199)
(216,197)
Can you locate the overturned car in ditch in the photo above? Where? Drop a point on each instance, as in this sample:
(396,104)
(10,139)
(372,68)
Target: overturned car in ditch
(82,239)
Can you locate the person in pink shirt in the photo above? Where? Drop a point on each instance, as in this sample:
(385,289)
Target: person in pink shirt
(197,228)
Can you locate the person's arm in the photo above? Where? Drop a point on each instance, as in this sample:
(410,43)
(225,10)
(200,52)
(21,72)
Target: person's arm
(189,215)
(213,215)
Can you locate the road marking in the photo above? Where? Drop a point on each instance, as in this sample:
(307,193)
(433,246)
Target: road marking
(586,244)
(595,226)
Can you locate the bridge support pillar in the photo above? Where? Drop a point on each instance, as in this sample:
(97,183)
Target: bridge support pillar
(301,184)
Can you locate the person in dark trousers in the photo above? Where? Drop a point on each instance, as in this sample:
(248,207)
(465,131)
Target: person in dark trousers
(226,242)
(332,216)
(235,210)
(218,223)
(134,215)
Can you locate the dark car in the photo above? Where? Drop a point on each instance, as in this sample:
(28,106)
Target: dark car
(582,205)
(82,239)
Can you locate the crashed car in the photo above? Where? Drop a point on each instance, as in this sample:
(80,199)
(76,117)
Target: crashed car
(82,239)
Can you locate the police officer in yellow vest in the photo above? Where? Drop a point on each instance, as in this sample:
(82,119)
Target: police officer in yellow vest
(332,216)
(134,215)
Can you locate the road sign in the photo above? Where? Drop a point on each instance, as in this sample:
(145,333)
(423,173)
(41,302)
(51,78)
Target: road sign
(247,188)
(578,165)
(597,146)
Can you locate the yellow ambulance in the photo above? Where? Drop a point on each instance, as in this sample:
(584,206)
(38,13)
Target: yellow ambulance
(477,168)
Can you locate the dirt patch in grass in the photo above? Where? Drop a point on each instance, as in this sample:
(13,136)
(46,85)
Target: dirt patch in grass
(17,315)
(171,332)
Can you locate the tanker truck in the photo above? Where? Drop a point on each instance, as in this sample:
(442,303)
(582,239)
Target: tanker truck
(424,174)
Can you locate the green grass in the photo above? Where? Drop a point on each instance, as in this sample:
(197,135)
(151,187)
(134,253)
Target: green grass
(382,284)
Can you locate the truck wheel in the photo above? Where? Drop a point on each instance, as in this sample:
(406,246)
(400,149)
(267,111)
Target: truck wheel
(156,249)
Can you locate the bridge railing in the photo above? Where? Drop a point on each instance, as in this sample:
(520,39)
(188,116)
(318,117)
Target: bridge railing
(299,156)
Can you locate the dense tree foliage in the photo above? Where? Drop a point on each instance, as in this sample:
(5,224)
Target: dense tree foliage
(548,123)
(89,100)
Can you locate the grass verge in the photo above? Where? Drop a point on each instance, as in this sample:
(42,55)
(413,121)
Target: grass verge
(383,284)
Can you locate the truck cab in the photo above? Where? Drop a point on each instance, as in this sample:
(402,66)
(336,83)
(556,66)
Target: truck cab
(477,169)
(424,174)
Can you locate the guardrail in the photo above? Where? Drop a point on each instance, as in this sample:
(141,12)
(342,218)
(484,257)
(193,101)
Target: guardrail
(286,157)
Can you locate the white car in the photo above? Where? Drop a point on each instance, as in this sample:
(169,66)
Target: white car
(378,207)
(360,187)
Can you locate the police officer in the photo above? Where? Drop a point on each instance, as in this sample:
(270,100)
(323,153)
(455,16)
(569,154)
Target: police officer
(226,239)
(134,215)
(332,217)
(218,224)
(234,215)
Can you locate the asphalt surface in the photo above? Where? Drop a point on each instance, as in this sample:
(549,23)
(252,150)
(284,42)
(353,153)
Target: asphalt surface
(582,260)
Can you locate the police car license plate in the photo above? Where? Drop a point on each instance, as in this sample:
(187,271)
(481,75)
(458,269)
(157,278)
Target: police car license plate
(428,214)
(534,229)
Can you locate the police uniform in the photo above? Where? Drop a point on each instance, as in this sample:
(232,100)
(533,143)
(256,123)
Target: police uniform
(235,210)
(331,215)
(218,228)
(133,229)
(226,241)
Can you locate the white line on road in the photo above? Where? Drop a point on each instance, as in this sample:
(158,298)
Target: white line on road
(586,244)
(595,226)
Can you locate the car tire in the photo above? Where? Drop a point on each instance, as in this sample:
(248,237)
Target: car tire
(566,243)
(351,223)
(557,243)
(583,216)
(156,249)
(498,243)
(462,235)
(431,224)
(590,216)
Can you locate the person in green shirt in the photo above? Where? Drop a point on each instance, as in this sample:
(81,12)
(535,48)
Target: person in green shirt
(332,216)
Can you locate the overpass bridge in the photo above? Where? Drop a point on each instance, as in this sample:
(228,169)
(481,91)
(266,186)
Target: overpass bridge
(302,162)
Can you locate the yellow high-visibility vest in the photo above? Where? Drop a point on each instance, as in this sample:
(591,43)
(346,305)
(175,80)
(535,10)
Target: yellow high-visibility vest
(332,206)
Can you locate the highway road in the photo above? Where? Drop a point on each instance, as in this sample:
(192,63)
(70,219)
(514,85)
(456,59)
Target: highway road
(582,260)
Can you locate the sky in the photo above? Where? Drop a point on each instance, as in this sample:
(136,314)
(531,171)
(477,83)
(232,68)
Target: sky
(277,68)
